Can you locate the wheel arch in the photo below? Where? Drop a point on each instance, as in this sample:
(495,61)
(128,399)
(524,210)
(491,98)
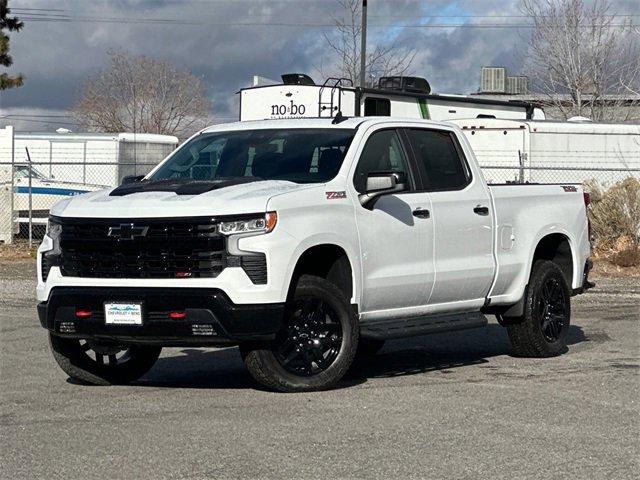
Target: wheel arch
(329,261)
(557,247)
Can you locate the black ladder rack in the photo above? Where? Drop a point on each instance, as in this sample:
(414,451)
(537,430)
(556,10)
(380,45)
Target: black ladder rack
(334,83)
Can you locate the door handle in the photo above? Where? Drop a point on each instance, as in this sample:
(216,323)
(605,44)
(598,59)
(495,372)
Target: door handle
(480,210)
(421,213)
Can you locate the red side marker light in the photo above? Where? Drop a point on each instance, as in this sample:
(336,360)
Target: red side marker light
(183,274)
(177,315)
(82,313)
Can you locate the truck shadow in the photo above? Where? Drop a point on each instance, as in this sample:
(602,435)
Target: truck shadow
(223,368)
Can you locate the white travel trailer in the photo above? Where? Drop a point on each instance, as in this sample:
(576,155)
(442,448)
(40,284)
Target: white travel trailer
(43,168)
(407,97)
(553,151)
(92,158)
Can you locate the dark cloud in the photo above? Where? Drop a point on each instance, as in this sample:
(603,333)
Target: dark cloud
(56,57)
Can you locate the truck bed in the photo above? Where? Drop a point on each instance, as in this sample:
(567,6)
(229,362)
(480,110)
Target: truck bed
(524,214)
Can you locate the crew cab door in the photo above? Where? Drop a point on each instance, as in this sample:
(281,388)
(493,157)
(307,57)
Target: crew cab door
(396,234)
(461,218)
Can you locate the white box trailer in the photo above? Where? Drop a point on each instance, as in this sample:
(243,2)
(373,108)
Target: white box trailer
(553,151)
(92,158)
(66,164)
(293,100)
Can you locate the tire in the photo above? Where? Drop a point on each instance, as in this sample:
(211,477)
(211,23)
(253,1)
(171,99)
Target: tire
(369,347)
(80,359)
(542,330)
(316,346)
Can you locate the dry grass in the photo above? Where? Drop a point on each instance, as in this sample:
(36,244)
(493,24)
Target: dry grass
(18,251)
(615,219)
(603,268)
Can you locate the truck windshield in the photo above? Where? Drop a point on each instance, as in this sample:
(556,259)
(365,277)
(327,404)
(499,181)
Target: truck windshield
(297,155)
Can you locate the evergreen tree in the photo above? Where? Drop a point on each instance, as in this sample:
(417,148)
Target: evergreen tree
(7,24)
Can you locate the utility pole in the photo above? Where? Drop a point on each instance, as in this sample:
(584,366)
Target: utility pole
(363,44)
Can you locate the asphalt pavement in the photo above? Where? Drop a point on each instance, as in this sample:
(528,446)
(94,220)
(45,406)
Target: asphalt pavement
(443,406)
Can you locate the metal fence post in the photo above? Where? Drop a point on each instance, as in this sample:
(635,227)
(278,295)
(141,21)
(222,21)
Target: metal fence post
(13,187)
(30,173)
(521,166)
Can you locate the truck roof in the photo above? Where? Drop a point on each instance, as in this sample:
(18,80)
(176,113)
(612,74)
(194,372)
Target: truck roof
(351,122)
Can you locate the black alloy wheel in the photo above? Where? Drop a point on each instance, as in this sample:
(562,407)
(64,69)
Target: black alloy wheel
(102,363)
(551,309)
(311,341)
(542,329)
(316,345)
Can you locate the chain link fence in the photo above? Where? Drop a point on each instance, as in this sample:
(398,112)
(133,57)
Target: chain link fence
(605,176)
(28,190)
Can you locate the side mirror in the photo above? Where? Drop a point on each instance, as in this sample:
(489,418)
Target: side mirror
(131,179)
(382,183)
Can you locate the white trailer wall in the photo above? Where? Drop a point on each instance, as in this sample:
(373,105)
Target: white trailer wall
(6,195)
(614,150)
(93,159)
(554,152)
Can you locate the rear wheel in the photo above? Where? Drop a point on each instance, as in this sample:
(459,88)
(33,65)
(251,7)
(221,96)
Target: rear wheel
(316,346)
(542,330)
(98,363)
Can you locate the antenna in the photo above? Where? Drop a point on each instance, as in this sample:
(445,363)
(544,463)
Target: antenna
(339,118)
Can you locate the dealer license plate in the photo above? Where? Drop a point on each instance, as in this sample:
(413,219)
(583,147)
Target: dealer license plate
(123,313)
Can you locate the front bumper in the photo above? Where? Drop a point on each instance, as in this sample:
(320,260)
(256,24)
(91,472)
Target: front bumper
(211,317)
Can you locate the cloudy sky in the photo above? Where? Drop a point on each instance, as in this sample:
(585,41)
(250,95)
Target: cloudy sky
(226,42)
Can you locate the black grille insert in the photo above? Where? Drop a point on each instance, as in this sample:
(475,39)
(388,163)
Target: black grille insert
(145,248)
(255,266)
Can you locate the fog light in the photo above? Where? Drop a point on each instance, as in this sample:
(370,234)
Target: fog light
(177,315)
(83,313)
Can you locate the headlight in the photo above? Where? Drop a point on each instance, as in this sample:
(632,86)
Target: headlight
(262,224)
(51,258)
(54,229)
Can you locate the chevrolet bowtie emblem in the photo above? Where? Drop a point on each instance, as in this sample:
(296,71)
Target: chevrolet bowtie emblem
(127,231)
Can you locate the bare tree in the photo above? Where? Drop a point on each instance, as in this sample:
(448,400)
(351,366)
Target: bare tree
(579,60)
(345,44)
(631,82)
(143,94)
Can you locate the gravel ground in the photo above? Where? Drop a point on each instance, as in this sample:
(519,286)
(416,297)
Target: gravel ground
(444,406)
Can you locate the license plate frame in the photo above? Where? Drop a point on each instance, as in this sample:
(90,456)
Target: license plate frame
(120,313)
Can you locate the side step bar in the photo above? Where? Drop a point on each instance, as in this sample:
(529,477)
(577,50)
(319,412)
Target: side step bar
(412,326)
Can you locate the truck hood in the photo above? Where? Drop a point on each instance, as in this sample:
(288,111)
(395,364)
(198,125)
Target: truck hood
(232,200)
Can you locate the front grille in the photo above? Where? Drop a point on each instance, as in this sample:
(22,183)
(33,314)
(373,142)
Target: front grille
(158,248)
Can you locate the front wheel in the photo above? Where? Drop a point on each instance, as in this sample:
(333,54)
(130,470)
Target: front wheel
(98,363)
(542,330)
(316,346)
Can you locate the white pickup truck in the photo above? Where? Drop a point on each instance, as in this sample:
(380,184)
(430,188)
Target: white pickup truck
(306,242)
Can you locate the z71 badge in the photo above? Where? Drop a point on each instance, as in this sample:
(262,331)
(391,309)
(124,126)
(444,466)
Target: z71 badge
(334,195)
(569,188)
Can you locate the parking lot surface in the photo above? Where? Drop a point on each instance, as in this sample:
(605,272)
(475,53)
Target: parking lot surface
(444,406)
